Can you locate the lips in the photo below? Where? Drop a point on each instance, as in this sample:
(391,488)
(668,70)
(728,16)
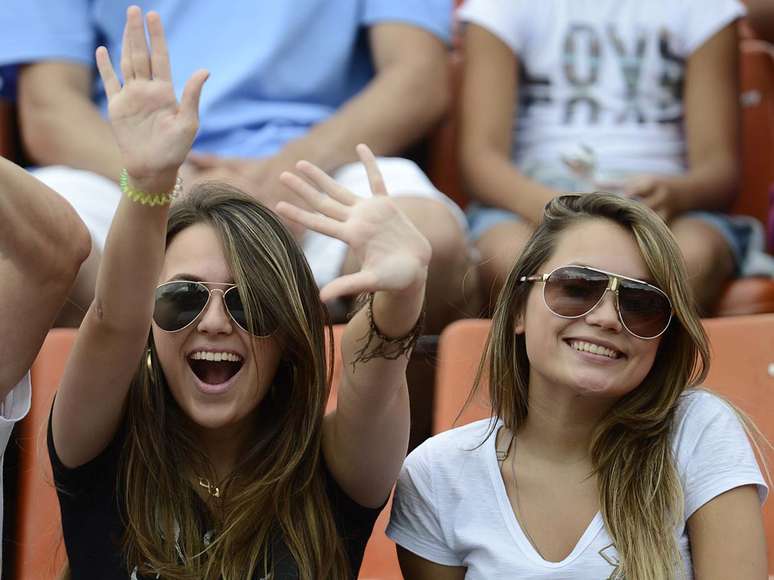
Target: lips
(214,370)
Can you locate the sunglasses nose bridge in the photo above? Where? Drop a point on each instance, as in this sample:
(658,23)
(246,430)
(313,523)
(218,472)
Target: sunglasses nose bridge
(203,316)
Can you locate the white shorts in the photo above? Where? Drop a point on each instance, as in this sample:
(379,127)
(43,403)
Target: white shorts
(96,198)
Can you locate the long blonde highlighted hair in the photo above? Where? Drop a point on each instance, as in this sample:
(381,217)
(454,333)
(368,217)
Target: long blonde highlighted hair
(277,491)
(640,493)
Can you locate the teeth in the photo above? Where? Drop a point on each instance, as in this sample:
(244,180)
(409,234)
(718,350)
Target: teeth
(215,356)
(593,348)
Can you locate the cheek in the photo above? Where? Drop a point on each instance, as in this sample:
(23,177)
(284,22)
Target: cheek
(166,347)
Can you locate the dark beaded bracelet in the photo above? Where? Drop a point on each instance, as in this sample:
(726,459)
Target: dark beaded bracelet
(387,348)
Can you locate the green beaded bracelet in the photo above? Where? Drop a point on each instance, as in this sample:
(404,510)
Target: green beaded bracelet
(150,199)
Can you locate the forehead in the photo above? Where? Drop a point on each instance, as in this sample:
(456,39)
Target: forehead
(601,244)
(197,251)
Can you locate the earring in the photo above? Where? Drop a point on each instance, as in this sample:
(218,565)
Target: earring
(149,361)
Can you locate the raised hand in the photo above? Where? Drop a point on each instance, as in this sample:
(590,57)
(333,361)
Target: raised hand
(153,131)
(393,254)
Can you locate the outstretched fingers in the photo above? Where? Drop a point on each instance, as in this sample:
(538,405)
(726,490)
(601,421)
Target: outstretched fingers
(140,58)
(375,179)
(107,74)
(319,201)
(192,92)
(159,53)
(326,183)
(312,221)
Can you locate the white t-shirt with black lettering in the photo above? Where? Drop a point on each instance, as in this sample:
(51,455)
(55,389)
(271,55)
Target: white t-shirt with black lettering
(604,74)
(451,506)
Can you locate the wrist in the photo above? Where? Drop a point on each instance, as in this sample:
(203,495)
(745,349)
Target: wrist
(151,192)
(152,182)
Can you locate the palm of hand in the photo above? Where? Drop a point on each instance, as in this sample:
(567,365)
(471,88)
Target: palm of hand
(153,132)
(145,123)
(391,251)
(393,254)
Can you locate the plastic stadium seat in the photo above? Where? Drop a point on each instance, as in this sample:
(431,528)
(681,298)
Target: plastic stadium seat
(742,370)
(39,546)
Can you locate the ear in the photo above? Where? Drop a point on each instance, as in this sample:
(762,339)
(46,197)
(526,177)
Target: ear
(518,324)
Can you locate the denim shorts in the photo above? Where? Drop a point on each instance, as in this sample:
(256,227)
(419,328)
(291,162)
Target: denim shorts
(481,218)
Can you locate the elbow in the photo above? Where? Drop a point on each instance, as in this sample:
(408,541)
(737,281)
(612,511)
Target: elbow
(68,248)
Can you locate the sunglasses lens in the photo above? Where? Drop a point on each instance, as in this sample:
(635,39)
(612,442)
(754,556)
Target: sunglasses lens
(178,304)
(572,292)
(645,311)
(264,325)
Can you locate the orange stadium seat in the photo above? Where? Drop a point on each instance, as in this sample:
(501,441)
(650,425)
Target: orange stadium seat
(39,547)
(742,370)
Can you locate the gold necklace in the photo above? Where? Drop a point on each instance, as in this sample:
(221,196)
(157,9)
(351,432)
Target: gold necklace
(501,457)
(211,488)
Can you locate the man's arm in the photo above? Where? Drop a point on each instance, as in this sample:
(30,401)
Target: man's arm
(407,96)
(42,245)
(63,126)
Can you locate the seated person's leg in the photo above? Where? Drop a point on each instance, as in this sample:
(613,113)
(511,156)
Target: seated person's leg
(709,258)
(499,237)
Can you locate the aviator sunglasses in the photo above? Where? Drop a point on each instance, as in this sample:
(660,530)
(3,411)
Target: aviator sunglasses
(573,291)
(179,303)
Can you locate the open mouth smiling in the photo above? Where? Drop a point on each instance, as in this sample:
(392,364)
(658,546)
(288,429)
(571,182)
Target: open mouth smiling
(594,348)
(214,367)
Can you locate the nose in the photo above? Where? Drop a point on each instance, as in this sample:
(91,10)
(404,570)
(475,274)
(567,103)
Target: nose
(605,314)
(215,318)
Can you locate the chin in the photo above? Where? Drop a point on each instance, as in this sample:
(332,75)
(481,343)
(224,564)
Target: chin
(604,388)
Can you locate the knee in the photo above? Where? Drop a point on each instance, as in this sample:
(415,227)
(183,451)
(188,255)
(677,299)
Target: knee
(705,250)
(444,232)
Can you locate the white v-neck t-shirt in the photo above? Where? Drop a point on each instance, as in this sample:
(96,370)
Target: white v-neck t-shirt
(451,506)
(13,408)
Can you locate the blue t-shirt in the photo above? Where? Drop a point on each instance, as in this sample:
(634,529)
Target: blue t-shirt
(277,67)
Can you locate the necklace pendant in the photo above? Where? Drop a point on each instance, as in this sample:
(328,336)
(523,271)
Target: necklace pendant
(213,490)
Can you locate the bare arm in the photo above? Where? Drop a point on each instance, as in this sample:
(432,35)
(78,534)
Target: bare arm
(712,130)
(63,126)
(712,124)
(154,134)
(42,245)
(727,538)
(415,567)
(407,96)
(489,90)
(366,438)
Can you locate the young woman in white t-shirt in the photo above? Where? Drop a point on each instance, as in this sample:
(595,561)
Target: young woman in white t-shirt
(631,97)
(601,461)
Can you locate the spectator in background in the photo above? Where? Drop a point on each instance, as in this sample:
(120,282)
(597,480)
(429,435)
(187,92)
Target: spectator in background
(290,80)
(637,98)
(42,244)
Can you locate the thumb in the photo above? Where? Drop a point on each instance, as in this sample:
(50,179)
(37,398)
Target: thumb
(348,285)
(189,102)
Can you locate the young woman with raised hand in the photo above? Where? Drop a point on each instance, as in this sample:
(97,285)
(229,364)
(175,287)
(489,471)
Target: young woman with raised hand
(601,460)
(187,437)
